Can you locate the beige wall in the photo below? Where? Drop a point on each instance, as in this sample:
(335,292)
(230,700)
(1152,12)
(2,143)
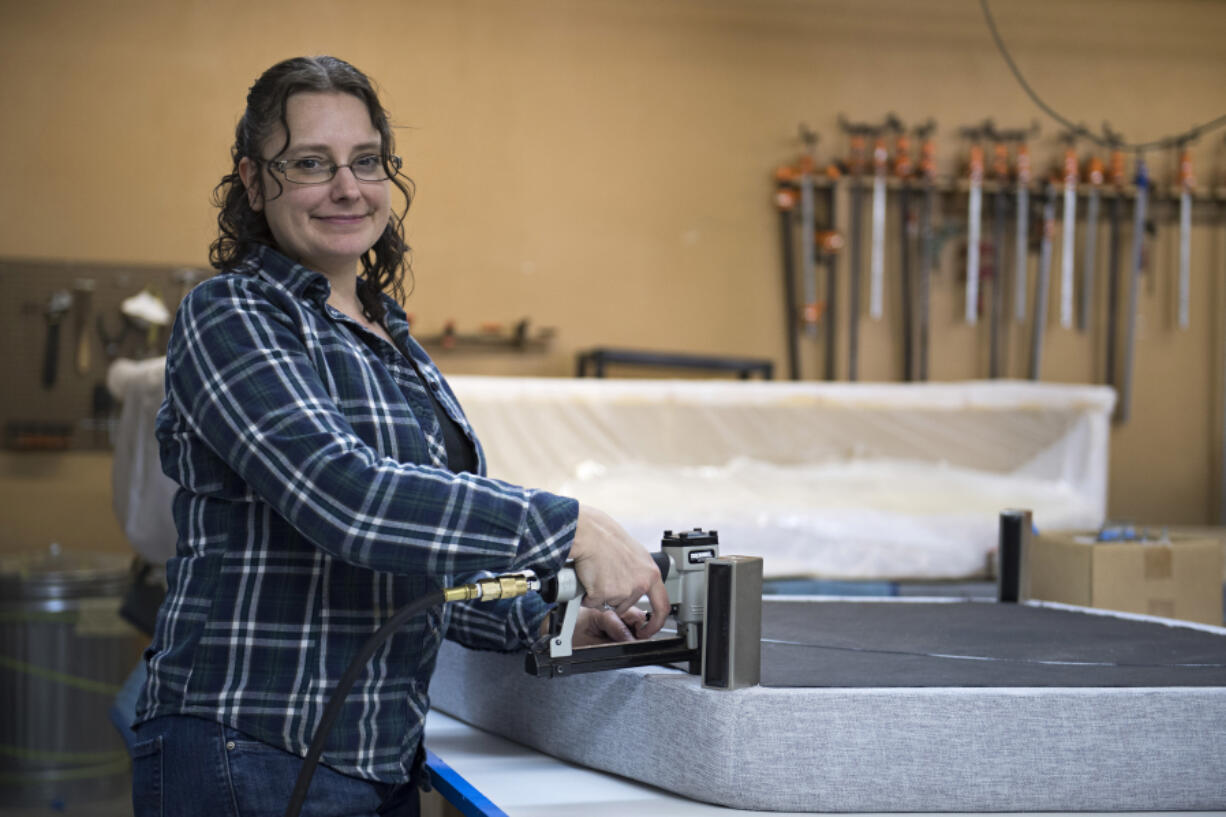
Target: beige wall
(604,166)
(61,498)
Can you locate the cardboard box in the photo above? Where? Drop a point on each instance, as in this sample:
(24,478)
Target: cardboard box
(1178,579)
(1204,532)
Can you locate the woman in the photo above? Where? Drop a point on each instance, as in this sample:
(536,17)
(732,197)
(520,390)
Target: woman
(328,477)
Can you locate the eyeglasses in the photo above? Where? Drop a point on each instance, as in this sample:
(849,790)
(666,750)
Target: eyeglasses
(368,168)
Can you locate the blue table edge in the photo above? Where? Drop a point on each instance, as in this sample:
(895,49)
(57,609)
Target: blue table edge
(458,791)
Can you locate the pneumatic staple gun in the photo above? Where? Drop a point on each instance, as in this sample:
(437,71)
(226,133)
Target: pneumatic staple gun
(716,602)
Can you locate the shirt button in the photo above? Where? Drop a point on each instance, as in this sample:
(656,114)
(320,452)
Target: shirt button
(229,746)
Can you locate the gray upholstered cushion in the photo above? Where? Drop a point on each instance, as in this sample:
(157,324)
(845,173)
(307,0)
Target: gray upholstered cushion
(860,749)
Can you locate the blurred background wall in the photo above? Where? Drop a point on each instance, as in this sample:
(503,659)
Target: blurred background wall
(604,168)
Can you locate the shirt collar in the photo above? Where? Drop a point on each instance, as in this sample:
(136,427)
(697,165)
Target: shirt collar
(299,280)
(306,283)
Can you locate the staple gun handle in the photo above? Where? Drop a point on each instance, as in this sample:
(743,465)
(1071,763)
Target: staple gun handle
(564,585)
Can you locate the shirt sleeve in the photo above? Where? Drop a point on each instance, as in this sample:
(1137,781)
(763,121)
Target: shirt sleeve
(241,377)
(506,625)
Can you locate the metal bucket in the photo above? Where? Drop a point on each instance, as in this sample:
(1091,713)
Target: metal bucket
(64,653)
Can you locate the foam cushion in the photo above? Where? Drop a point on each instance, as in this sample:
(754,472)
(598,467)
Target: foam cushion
(871,747)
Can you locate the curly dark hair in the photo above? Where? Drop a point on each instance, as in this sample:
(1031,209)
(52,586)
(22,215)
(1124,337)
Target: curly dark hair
(240,228)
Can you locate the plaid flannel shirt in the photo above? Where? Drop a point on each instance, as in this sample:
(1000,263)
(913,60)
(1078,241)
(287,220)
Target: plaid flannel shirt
(315,501)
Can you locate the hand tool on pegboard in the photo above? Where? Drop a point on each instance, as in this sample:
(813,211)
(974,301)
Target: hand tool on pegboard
(1119,181)
(1186,183)
(1123,407)
(82,317)
(796,188)
(1021,232)
(903,170)
(1043,283)
(830,243)
(808,226)
(876,261)
(1069,179)
(1000,176)
(1094,177)
(101,403)
(57,307)
(1002,138)
(974,210)
(857,136)
(927,172)
(785,203)
(1221,209)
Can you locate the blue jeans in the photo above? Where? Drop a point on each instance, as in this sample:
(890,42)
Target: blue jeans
(190,767)
(123,708)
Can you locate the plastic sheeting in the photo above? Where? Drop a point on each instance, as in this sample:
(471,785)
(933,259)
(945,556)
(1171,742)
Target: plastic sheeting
(843,480)
(837,480)
(141,493)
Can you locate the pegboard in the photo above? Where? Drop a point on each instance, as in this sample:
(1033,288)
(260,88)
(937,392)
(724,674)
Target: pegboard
(58,401)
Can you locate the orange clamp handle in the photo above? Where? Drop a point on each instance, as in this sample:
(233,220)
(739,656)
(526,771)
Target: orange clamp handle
(1070,167)
(1094,171)
(928,159)
(1023,164)
(902,157)
(829,241)
(855,162)
(1117,168)
(881,157)
(1186,179)
(976,163)
(1000,161)
(786,174)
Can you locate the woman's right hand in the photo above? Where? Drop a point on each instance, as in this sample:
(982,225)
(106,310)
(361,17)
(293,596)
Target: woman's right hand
(616,570)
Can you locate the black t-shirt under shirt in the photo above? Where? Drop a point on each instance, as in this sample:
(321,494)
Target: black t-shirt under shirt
(461,455)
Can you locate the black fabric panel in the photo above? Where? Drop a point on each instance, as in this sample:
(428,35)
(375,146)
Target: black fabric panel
(461,456)
(977,644)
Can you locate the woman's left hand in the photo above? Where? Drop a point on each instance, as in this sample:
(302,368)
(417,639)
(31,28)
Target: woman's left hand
(605,626)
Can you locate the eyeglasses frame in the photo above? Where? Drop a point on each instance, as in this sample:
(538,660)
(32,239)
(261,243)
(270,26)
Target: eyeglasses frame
(393,162)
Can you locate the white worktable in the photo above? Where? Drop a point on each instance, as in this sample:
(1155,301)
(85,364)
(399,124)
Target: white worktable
(484,775)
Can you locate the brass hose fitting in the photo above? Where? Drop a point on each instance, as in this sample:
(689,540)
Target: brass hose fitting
(508,586)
